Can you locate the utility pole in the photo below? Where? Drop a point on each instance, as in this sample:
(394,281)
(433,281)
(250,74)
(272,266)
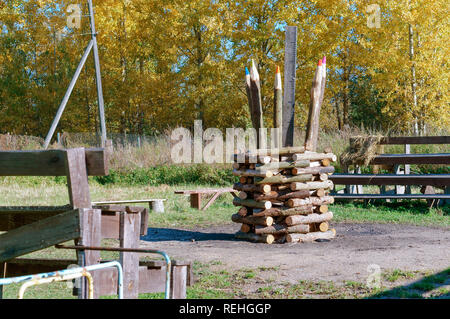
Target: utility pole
(91,46)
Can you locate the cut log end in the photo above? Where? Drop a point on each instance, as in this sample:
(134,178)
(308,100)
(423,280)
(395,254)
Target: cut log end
(323,227)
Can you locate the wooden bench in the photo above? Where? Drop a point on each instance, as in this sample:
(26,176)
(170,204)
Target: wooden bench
(402,179)
(30,229)
(196,196)
(153,204)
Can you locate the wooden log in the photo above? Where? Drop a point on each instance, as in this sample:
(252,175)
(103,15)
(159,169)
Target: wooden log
(320,177)
(249,96)
(278,229)
(252,203)
(310,237)
(250,188)
(312,185)
(237,166)
(316,201)
(319,193)
(312,127)
(246,228)
(309,219)
(253,173)
(322,209)
(282,179)
(312,156)
(326,162)
(278,106)
(323,227)
(299,194)
(252,220)
(243,195)
(243,211)
(283,165)
(267,239)
(257,111)
(282,195)
(272,195)
(313,170)
(280,212)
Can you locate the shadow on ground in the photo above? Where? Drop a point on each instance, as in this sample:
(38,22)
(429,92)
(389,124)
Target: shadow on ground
(170,234)
(433,286)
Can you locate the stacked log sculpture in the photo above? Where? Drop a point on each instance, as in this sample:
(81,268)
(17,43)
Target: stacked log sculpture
(284,195)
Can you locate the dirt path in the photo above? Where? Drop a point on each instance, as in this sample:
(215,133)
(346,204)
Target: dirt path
(347,257)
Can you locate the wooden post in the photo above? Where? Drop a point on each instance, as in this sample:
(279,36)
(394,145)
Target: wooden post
(129,238)
(77,178)
(290,61)
(196,201)
(90,228)
(407,168)
(178,282)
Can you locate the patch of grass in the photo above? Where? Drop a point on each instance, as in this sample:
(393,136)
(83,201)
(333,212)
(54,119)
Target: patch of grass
(398,274)
(415,213)
(430,286)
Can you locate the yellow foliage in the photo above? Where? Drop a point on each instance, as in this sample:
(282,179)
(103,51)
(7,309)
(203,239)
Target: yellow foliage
(168,63)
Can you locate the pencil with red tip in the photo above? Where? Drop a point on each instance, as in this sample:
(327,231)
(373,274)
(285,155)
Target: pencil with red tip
(312,127)
(255,88)
(278,106)
(249,95)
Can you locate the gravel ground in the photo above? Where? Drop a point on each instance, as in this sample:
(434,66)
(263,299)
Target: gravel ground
(347,257)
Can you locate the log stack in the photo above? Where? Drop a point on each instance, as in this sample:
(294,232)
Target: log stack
(284,195)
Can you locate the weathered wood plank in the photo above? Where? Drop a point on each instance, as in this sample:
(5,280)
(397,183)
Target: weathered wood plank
(205,191)
(401,140)
(391,179)
(178,282)
(391,196)
(12,217)
(48,163)
(90,223)
(77,179)
(26,266)
(392,159)
(130,225)
(39,235)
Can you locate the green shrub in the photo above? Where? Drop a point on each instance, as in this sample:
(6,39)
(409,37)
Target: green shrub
(170,175)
